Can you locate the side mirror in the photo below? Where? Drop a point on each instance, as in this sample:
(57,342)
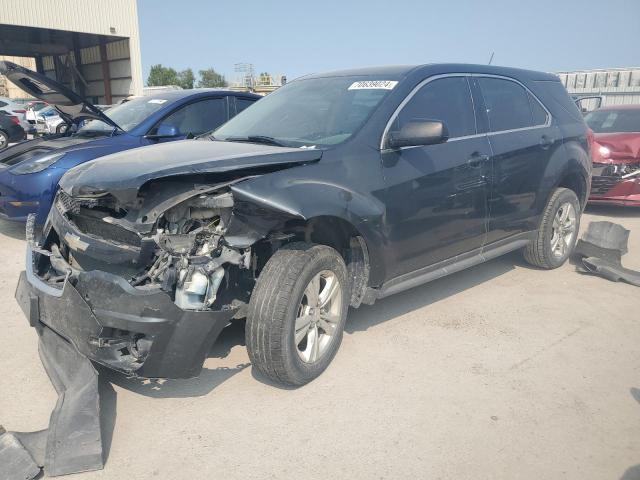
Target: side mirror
(165,130)
(418,133)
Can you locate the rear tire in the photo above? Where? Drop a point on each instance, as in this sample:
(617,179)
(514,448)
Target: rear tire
(291,336)
(558,231)
(62,128)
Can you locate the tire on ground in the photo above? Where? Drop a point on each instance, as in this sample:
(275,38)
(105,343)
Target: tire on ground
(4,140)
(270,329)
(539,253)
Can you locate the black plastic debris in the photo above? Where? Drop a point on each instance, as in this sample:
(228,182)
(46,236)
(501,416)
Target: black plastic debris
(600,252)
(73,441)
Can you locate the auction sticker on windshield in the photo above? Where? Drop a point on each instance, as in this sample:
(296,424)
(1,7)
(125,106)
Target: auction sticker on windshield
(373,85)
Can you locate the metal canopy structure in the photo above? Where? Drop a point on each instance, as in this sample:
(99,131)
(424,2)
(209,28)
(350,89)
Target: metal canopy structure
(91,47)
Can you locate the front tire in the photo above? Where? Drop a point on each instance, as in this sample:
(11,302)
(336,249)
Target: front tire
(558,231)
(297,313)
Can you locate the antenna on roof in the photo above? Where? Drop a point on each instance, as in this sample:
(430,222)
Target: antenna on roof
(491,58)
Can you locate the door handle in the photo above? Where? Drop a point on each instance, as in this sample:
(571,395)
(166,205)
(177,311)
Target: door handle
(477,159)
(546,141)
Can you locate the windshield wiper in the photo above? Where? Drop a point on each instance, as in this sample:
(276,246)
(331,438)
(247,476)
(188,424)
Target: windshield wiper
(256,139)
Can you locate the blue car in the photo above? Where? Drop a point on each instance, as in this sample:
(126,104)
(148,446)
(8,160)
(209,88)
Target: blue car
(30,171)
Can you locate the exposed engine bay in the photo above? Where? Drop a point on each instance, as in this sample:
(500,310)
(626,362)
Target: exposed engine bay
(183,252)
(192,252)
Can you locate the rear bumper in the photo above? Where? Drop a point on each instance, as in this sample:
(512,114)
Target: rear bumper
(140,333)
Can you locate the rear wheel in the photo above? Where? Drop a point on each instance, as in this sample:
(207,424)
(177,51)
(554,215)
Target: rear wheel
(558,231)
(62,128)
(297,313)
(4,140)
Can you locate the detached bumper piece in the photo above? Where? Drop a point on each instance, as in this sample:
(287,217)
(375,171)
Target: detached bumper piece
(600,252)
(73,441)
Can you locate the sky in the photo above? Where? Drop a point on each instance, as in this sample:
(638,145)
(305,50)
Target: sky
(300,37)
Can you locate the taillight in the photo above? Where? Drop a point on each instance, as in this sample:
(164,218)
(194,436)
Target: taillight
(19,111)
(15,120)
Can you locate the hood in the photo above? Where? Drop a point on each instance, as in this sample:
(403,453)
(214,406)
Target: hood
(72,107)
(123,174)
(38,146)
(624,147)
(87,147)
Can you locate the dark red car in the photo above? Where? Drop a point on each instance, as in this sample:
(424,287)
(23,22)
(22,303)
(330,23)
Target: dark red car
(616,155)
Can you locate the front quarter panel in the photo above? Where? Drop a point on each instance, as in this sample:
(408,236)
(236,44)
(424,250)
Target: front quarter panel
(328,188)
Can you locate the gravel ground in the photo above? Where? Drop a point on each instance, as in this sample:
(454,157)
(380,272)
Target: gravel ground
(498,372)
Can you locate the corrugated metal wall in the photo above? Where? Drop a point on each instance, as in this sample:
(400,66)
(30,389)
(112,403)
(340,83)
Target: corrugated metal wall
(88,16)
(102,17)
(618,86)
(118,57)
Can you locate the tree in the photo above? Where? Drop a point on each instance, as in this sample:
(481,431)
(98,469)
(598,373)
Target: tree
(160,76)
(186,79)
(209,78)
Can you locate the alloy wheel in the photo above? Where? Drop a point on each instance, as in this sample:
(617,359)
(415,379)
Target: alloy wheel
(318,316)
(563,230)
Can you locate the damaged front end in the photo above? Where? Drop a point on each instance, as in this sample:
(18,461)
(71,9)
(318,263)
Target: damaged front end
(143,286)
(616,178)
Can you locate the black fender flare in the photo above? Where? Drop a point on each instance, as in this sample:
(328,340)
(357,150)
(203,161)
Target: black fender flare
(262,205)
(567,161)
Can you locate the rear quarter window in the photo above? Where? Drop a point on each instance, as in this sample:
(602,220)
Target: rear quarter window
(558,101)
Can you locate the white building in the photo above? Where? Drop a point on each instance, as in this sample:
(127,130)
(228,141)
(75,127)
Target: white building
(92,46)
(617,86)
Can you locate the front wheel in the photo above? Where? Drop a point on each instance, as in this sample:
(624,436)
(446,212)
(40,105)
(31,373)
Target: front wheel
(558,231)
(297,313)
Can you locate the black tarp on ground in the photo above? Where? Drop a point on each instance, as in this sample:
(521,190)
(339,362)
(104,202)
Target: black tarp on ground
(73,441)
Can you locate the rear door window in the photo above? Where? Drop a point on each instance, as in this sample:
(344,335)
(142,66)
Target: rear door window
(199,117)
(508,105)
(446,99)
(539,114)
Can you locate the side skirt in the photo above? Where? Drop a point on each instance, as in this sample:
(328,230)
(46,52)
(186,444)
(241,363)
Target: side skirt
(449,266)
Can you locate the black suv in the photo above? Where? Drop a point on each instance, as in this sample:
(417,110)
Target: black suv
(337,189)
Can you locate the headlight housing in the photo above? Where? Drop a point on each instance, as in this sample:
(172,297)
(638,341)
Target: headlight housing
(37,164)
(605,152)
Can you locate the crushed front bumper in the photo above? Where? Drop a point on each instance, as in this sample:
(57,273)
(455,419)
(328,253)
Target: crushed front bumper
(610,189)
(137,332)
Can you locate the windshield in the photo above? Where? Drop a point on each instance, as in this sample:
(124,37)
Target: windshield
(614,121)
(316,112)
(126,115)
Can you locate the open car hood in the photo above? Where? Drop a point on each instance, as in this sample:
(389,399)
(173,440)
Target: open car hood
(72,107)
(122,174)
